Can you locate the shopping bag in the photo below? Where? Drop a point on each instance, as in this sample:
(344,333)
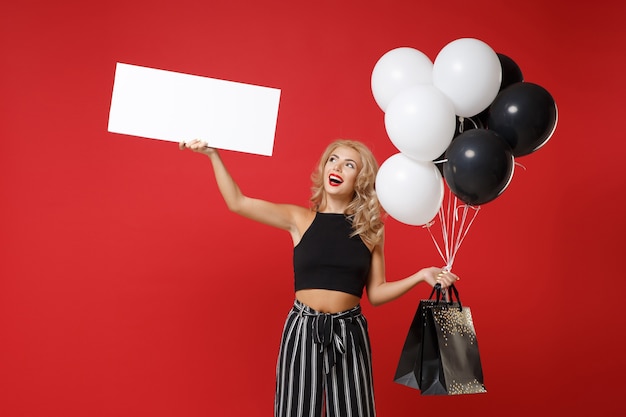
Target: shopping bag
(408,370)
(440,355)
(409,367)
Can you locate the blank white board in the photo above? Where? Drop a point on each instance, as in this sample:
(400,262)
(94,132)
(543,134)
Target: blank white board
(173,106)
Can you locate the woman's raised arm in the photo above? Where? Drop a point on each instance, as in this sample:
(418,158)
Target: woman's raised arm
(282,216)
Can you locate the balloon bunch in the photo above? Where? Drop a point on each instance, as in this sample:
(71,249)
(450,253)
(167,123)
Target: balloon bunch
(460,120)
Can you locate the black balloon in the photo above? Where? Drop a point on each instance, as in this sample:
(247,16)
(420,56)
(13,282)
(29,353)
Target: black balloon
(525,115)
(511,72)
(463,124)
(479,167)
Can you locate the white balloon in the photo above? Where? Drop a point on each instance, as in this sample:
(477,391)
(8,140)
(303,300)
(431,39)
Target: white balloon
(398,69)
(410,191)
(420,122)
(469,72)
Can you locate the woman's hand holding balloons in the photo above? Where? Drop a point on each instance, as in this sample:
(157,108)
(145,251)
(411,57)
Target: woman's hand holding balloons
(434,276)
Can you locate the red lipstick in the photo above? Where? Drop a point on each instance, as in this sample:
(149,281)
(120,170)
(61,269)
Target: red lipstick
(335,180)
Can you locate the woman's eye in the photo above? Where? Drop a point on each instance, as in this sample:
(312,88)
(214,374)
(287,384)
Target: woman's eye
(350,165)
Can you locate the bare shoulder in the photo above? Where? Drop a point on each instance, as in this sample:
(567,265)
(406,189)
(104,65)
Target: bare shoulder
(292,215)
(303,217)
(377,247)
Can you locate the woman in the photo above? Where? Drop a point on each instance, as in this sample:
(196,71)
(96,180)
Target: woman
(324,363)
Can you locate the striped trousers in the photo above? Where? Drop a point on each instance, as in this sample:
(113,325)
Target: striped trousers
(324,365)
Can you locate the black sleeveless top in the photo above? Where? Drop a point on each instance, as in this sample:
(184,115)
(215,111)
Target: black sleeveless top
(328,258)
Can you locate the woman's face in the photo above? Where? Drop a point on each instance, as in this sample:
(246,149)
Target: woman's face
(341,170)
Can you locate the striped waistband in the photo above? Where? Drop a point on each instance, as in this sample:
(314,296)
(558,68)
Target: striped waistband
(304,309)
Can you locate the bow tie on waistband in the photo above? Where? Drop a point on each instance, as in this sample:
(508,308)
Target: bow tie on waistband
(327,334)
(330,331)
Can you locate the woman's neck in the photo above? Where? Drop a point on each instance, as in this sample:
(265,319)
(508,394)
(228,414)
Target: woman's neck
(333,208)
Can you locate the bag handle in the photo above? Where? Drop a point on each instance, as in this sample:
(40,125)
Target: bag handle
(439,291)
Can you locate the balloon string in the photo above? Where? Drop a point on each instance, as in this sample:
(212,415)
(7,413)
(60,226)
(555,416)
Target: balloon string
(463,229)
(443,224)
(436,244)
(519,165)
(454,228)
(447,223)
(453,221)
(473,122)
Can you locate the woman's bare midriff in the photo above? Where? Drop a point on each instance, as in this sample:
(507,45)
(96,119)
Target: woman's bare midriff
(327,301)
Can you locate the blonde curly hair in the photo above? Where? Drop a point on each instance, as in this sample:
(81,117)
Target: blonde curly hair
(364,208)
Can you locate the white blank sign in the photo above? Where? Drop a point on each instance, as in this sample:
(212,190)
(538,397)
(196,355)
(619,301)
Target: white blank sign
(173,106)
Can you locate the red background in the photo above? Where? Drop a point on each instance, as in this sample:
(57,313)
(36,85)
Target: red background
(127,289)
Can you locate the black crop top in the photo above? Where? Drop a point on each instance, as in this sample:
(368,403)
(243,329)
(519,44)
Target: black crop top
(328,258)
